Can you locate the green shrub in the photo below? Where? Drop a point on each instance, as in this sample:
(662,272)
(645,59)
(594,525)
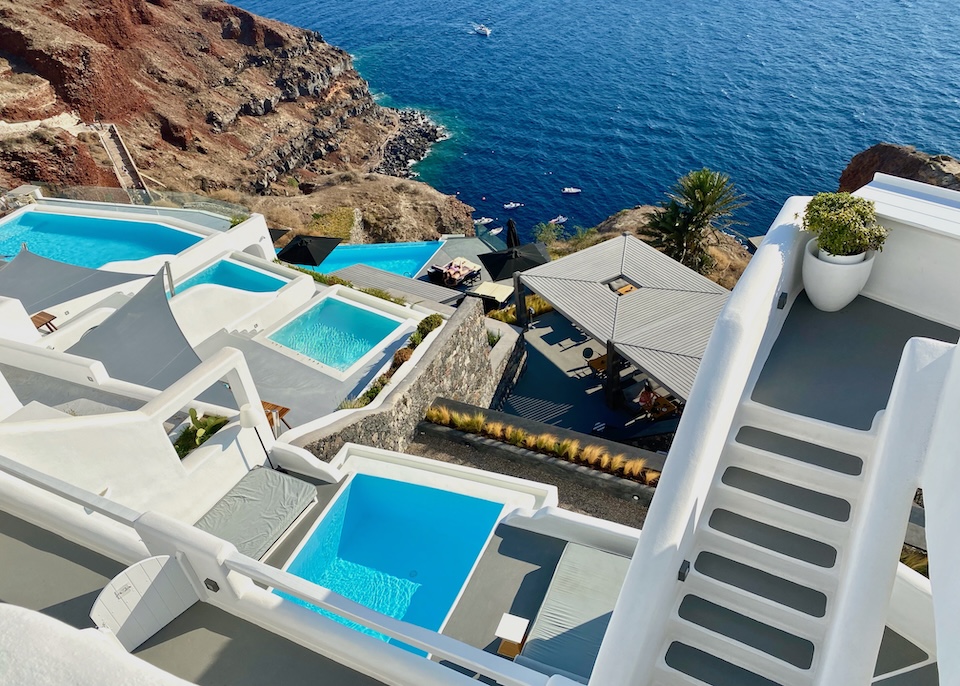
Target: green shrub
(354,403)
(416,338)
(844,224)
(548,233)
(383,295)
(376,387)
(428,324)
(325,279)
(493,337)
(197,432)
(401,356)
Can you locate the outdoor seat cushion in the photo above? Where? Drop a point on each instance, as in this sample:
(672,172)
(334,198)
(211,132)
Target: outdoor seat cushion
(256,512)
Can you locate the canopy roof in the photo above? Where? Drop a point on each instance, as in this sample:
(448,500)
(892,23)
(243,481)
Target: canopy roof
(142,343)
(661,325)
(39,282)
(310,250)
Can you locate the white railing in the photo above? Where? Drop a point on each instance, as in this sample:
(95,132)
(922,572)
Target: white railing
(631,644)
(226,578)
(439,646)
(892,475)
(942,509)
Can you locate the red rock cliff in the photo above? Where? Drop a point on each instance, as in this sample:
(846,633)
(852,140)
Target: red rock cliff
(207,95)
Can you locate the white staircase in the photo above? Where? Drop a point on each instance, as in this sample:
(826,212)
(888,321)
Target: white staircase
(766,556)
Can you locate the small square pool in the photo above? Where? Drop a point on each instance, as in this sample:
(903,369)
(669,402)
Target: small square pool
(336,332)
(234,275)
(401,549)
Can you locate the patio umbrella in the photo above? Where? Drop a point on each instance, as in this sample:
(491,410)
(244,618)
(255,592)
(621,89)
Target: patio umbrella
(503,263)
(311,250)
(513,239)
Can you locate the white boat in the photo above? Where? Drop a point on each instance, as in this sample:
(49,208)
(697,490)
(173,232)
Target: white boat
(512,205)
(559,219)
(571,190)
(482,30)
(496,230)
(483,221)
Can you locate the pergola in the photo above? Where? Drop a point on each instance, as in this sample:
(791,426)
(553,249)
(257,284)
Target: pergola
(648,308)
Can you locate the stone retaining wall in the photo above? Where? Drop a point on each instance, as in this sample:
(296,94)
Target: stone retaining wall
(459,364)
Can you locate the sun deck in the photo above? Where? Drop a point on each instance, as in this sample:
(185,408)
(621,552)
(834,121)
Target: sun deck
(205,645)
(839,366)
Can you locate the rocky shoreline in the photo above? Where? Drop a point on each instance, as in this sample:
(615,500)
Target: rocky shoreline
(415,134)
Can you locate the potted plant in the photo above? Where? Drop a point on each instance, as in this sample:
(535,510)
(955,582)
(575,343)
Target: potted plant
(838,260)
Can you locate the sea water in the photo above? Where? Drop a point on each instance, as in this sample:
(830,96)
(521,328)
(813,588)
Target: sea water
(622,97)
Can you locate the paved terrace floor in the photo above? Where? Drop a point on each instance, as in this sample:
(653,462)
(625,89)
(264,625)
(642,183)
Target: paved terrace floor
(282,380)
(470,248)
(44,572)
(839,366)
(512,576)
(557,387)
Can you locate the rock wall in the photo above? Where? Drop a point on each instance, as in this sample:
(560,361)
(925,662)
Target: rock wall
(207,95)
(459,365)
(900,160)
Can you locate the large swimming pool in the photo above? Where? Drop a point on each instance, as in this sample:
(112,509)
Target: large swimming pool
(405,259)
(401,549)
(336,332)
(89,241)
(234,275)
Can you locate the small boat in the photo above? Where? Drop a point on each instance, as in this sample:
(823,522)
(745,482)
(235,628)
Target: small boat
(495,230)
(559,219)
(482,30)
(483,221)
(512,205)
(571,190)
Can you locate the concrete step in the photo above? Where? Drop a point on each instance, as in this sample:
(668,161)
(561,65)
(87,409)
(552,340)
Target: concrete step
(756,606)
(770,561)
(773,538)
(819,433)
(783,645)
(788,469)
(744,579)
(749,665)
(790,520)
(801,451)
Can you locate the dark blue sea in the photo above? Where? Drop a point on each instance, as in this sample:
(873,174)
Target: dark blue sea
(621,97)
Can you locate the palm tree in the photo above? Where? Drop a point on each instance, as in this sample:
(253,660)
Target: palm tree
(700,205)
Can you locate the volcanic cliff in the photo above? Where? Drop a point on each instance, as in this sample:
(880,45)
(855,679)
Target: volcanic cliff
(206,95)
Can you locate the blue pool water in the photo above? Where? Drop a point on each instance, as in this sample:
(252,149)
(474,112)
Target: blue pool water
(335,332)
(623,96)
(234,275)
(405,259)
(401,549)
(89,241)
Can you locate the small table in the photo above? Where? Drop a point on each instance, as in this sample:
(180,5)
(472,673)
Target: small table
(281,412)
(598,364)
(44,319)
(511,631)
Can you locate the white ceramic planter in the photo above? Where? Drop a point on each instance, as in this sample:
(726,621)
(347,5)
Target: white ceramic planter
(833,285)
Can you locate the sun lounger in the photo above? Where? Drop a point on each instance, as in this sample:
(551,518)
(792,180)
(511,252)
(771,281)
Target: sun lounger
(258,510)
(455,272)
(566,634)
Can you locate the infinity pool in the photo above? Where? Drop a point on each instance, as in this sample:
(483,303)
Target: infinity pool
(89,241)
(405,259)
(234,275)
(401,549)
(335,332)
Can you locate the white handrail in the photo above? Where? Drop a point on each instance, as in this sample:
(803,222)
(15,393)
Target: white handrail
(631,644)
(440,646)
(108,508)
